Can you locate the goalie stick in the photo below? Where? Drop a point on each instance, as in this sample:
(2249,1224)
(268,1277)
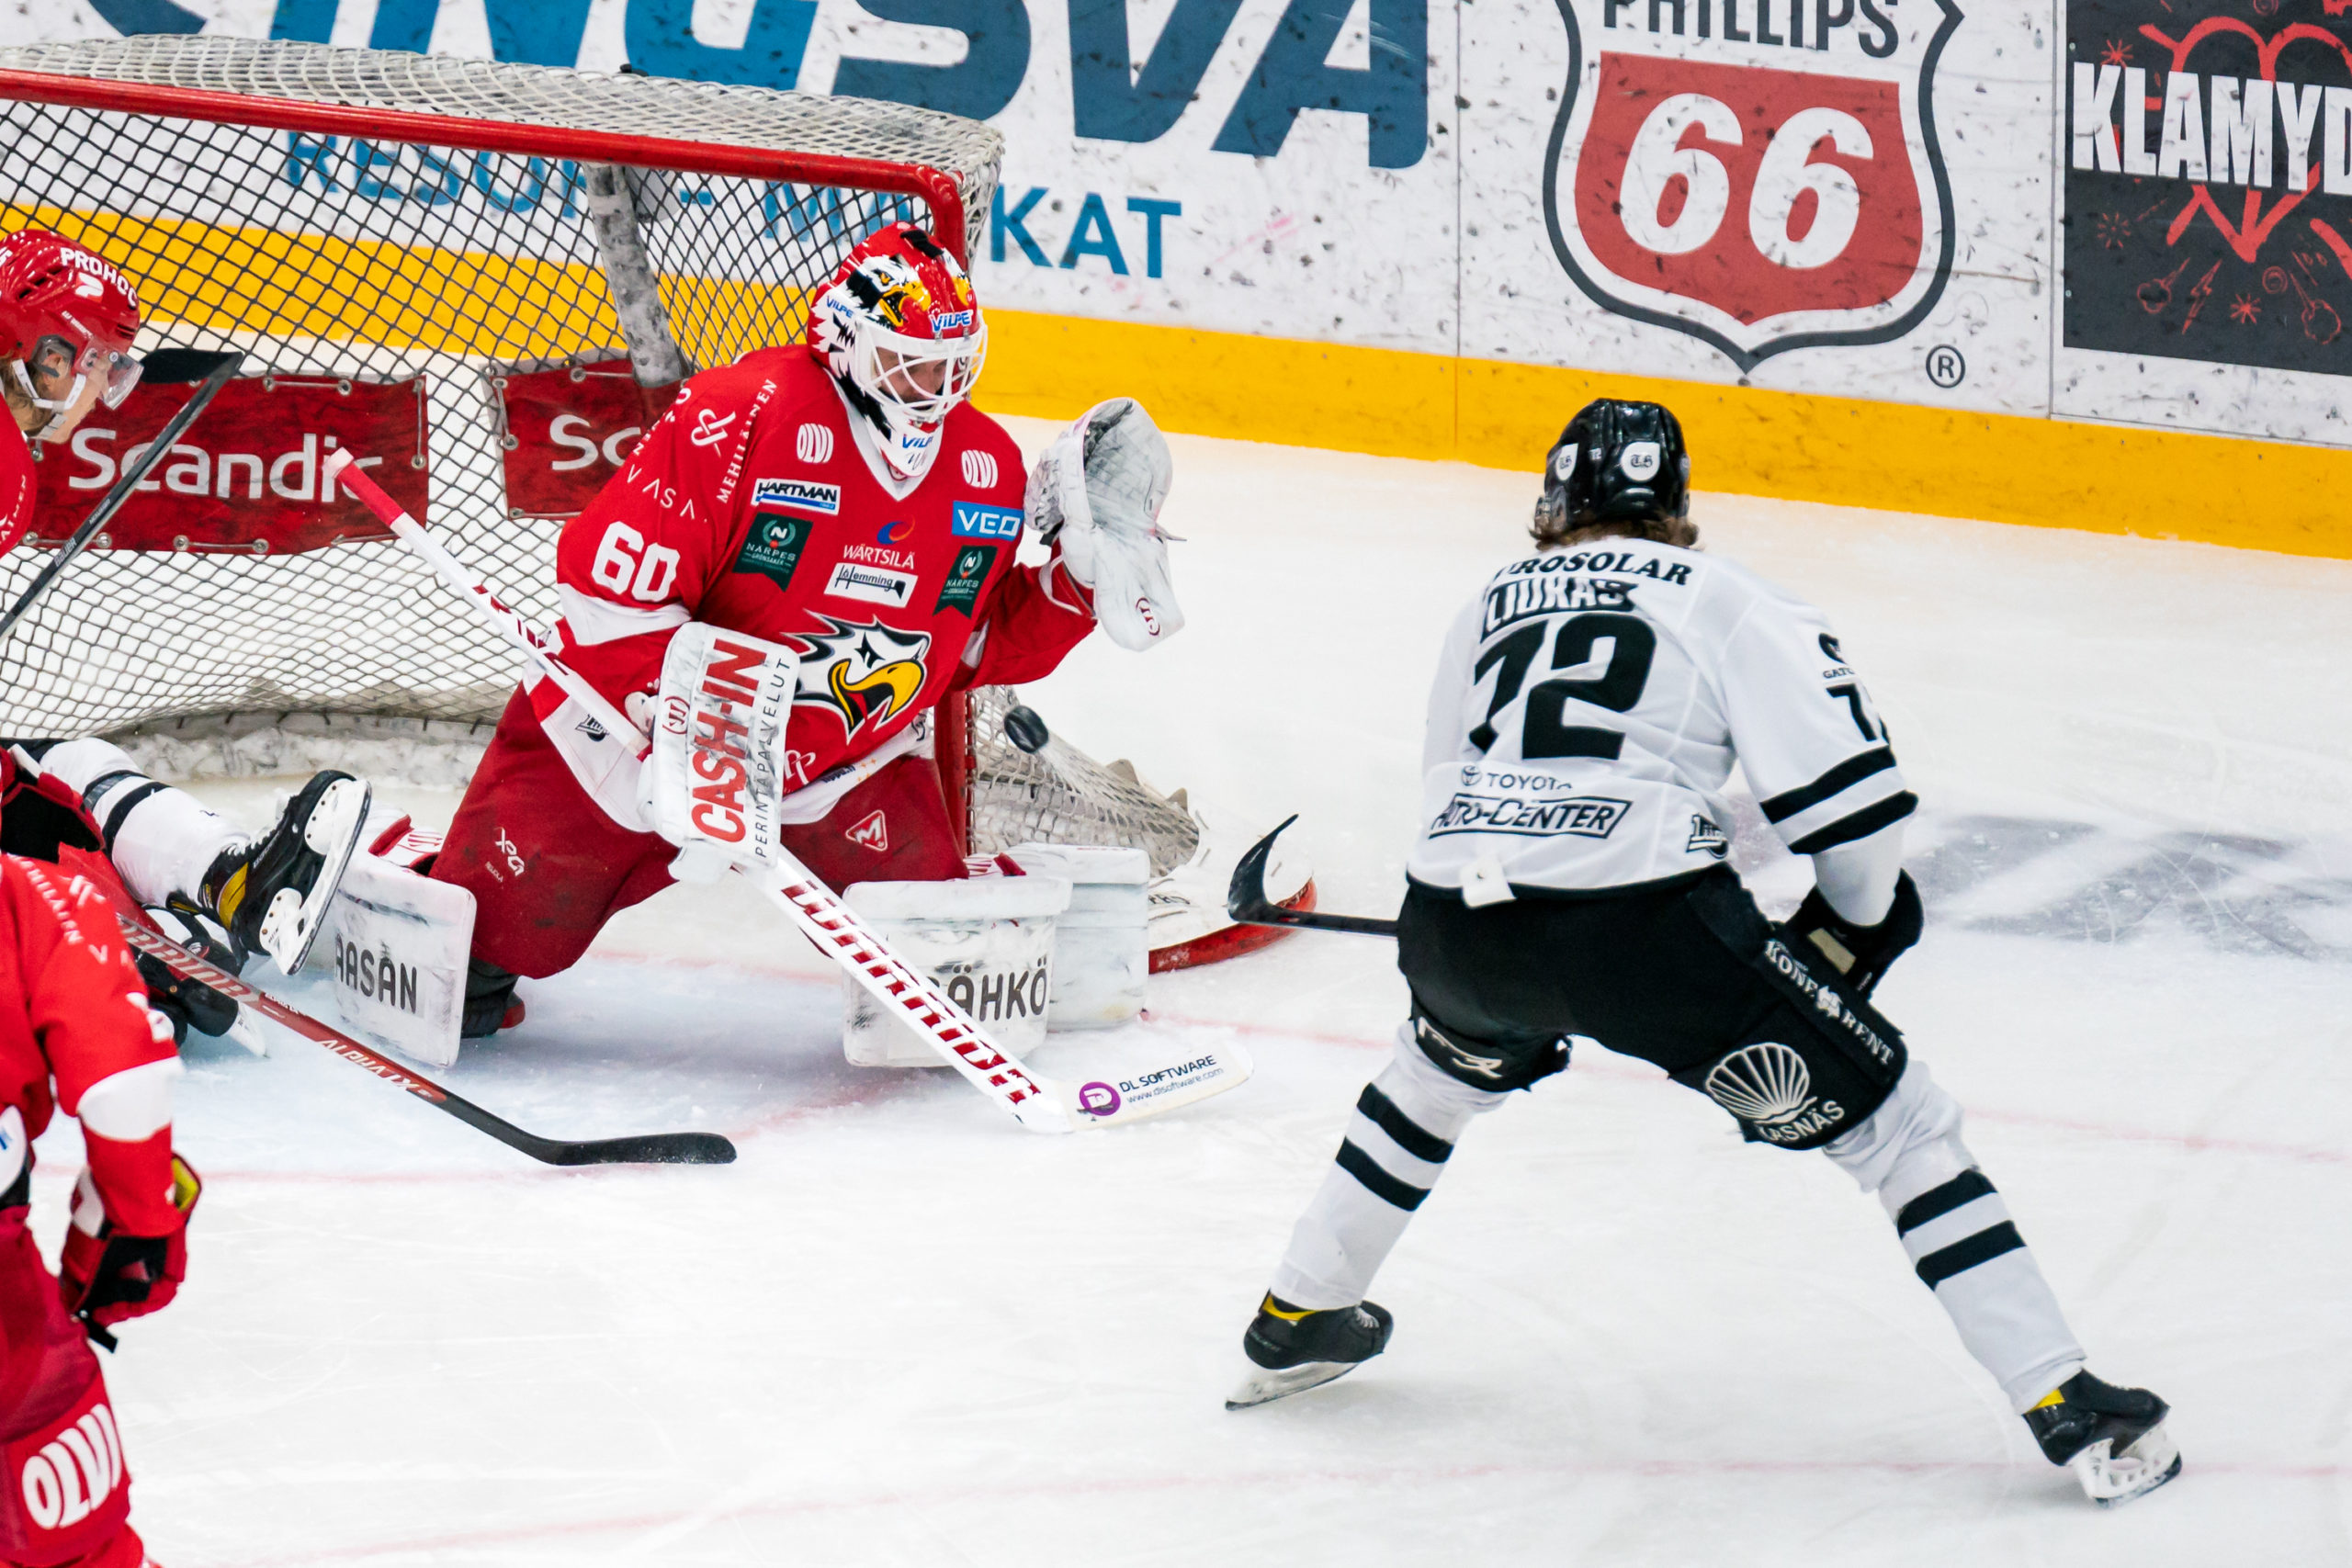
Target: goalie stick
(909,995)
(647,1148)
(170,364)
(1246,899)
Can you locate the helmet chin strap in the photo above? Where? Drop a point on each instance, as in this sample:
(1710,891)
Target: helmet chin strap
(57,409)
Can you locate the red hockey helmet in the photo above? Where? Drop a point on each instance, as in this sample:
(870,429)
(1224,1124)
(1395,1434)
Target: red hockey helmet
(898,328)
(65,311)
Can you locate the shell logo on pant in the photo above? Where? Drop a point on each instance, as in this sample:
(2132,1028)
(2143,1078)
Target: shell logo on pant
(1767,1083)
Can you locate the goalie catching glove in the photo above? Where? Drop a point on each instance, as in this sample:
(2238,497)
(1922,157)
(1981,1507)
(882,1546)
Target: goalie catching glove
(1095,496)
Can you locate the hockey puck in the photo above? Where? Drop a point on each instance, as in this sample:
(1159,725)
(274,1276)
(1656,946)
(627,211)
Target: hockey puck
(1026,730)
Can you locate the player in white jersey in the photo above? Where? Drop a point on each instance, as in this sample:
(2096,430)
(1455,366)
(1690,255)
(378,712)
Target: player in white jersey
(1570,880)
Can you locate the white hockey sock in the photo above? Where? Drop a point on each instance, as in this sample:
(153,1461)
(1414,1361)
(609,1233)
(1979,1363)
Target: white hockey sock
(161,840)
(1404,1127)
(1957,1232)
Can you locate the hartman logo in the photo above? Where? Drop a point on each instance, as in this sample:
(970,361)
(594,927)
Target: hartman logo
(807,495)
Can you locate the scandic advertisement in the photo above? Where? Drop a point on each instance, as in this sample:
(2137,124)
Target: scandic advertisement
(2120,211)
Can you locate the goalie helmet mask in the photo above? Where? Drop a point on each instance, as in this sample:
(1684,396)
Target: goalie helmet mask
(65,311)
(898,326)
(1617,462)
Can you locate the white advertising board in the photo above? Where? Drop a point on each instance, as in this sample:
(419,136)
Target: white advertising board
(1942,202)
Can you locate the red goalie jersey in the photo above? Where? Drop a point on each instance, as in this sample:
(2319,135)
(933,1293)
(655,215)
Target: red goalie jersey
(761,502)
(841,498)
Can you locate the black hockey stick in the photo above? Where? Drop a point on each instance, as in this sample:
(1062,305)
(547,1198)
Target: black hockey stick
(170,364)
(645,1149)
(1247,902)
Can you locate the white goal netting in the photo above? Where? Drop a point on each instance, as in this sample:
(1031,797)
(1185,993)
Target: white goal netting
(412,276)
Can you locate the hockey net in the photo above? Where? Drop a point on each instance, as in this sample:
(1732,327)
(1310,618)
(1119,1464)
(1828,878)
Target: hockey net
(491,276)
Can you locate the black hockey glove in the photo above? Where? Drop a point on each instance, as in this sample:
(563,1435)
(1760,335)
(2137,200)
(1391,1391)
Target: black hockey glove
(1861,954)
(191,1004)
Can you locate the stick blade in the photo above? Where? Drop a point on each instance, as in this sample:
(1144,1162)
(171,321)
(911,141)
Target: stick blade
(645,1149)
(1245,897)
(1116,1099)
(177,366)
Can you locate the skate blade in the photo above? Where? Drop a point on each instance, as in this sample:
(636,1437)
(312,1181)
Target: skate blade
(294,919)
(2110,1480)
(1262,1387)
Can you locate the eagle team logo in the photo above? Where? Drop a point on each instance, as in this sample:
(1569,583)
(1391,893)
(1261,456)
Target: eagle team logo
(1762,174)
(865,675)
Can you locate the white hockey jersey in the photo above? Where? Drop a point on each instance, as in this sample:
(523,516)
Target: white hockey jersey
(1590,703)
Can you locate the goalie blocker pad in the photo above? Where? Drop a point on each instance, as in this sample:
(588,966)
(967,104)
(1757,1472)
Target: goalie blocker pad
(715,780)
(396,942)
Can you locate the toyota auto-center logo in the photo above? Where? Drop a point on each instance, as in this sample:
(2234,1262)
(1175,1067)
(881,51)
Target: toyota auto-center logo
(1762,174)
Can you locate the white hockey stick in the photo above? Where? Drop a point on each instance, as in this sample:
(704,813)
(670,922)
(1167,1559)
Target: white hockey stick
(789,884)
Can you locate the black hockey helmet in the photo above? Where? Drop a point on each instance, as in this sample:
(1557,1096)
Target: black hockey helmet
(1616,462)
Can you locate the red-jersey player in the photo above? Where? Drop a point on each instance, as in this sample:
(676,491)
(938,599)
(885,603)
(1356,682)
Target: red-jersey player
(842,497)
(77,1035)
(67,320)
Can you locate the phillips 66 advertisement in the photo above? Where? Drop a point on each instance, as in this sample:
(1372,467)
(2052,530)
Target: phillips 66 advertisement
(2128,210)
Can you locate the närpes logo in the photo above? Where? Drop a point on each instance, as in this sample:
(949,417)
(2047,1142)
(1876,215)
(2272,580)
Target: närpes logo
(2208,210)
(1098,1098)
(809,495)
(965,579)
(772,546)
(1762,174)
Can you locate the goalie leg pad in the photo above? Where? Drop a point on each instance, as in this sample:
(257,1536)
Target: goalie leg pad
(987,943)
(1102,942)
(398,943)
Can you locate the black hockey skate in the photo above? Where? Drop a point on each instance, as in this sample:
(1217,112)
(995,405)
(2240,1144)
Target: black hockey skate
(191,1004)
(273,894)
(1296,1348)
(2112,1438)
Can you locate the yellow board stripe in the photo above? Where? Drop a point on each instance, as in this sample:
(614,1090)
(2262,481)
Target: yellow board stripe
(255,280)
(1746,440)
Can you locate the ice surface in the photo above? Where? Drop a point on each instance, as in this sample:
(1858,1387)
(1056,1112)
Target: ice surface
(903,1331)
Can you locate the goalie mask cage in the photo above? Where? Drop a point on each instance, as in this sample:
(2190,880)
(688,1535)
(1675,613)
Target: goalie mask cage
(375,225)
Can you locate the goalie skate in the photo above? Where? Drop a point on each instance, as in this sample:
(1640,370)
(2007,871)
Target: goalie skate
(273,895)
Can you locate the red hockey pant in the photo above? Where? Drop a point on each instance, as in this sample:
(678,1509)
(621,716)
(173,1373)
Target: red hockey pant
(65,1495)
(547,868)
